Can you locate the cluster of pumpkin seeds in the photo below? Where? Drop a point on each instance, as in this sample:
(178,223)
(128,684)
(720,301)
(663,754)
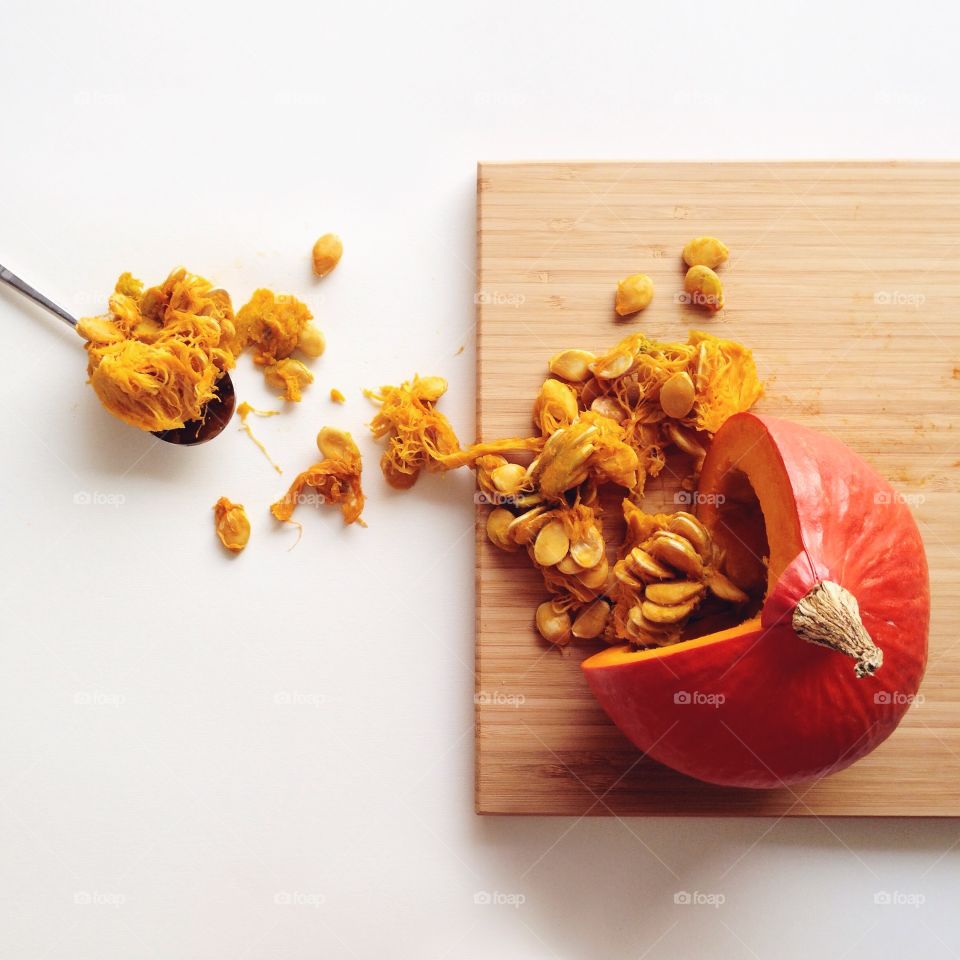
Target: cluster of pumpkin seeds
(567,545)
(663,395)
(668,568)
(611,419)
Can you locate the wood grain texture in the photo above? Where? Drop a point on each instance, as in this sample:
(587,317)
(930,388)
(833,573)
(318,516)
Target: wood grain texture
(843,278)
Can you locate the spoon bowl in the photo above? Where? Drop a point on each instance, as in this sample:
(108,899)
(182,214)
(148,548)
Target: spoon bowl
(216,413)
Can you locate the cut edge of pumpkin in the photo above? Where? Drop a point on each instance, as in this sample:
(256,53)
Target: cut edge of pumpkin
(623,654)
(744,447)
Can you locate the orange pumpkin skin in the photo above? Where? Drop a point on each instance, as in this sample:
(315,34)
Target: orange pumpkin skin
(756,705)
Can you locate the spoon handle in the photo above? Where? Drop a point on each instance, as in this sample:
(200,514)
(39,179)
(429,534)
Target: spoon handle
(12,280)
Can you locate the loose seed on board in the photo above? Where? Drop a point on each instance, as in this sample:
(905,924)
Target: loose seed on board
(572,365)
(705,252)
(553,624)
(704,288)
(633,293)
(590,623)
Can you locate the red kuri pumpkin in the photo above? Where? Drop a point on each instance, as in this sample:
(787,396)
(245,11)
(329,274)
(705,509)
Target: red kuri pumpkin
(834,657)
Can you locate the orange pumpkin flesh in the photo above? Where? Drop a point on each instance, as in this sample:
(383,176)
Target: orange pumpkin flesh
(755,705)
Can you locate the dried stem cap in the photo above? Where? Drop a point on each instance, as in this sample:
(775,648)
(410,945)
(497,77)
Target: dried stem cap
(829,616)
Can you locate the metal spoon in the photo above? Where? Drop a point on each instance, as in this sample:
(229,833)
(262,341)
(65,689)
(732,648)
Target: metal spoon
(217,412)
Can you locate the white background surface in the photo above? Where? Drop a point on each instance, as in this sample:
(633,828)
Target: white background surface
(187,741)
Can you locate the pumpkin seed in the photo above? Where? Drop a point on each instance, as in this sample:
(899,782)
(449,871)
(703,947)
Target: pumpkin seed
(509,478)
(706,252)
(336,444)
(638,620)
(631,393)
(312,342)
(724,588)
(671,594)
(690,528)
(592,389)
(596,577)
(551,545)
(499,521)
(327,252)
(677,552)
(685,440)
(675,614)
(556,405)
(588,552)
(644,566)
(633,293)
(430,389)
(569,566)
(590,622)
(608,407)
(553,623)
(572,365)
(704,287)
(614,365)
(523,528)
(677,395)
(622,572)
(639,637)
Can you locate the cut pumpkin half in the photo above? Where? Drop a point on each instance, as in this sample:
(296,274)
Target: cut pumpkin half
(834,655)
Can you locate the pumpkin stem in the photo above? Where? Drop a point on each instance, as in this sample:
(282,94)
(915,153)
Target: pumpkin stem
(829,616)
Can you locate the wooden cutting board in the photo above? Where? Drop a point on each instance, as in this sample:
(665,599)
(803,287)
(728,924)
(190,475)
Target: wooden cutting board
(844,279)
